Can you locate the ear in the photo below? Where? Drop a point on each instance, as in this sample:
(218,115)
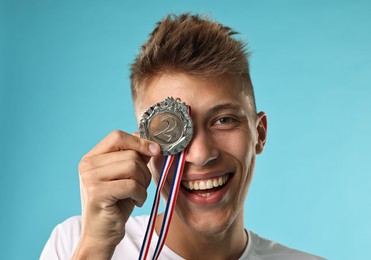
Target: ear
(261,129)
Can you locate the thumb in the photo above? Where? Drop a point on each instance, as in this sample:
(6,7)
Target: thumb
(153,147)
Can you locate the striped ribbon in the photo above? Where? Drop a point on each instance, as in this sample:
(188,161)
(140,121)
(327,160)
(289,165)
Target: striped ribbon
(170,205)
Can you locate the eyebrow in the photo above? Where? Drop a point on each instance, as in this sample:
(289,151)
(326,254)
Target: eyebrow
(222,107)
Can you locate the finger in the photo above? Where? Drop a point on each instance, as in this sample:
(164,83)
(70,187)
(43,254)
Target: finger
(125,189)
(100,160)
(126,169)
(119,140)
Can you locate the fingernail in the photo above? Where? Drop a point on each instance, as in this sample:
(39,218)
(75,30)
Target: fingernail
(153,148)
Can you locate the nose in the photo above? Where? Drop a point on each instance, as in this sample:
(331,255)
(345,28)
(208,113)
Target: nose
(201,149)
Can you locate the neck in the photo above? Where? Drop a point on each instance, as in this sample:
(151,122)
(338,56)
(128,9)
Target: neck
(189,244)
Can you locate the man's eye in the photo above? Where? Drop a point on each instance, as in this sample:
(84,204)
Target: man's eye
(224,121)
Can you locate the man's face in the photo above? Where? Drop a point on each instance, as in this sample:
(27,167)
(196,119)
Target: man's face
(221,156)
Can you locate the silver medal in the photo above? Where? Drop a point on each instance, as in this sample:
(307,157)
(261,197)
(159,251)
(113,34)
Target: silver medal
(169,124)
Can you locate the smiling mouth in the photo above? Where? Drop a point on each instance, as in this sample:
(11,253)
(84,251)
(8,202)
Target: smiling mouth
(205,187)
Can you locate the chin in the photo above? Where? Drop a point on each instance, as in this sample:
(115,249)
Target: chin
(207,223)
(211,228)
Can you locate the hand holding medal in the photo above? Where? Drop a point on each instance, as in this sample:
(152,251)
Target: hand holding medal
(169,124)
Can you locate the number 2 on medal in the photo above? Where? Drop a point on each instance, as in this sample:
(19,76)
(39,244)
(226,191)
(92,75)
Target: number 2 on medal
(165,134)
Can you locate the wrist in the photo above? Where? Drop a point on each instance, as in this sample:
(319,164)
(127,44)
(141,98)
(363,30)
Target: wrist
(93,250)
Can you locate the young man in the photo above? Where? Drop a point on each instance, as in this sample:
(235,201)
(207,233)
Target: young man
(198,61)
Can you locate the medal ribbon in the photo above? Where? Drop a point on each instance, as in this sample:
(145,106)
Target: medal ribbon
(170,205)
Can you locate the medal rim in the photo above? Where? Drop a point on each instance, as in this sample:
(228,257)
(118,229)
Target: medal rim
(177,108)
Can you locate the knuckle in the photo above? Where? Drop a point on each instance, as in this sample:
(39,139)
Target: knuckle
(140,144)
(116,135)
(132,154)
(130,165)
(86,179)
(84,165)
(133,164)
(132,185)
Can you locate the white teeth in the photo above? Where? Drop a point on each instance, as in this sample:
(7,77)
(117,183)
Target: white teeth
(209,184)
(206,195)
(206,184)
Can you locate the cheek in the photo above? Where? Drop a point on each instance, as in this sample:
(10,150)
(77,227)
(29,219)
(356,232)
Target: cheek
(238,145)
(240,148)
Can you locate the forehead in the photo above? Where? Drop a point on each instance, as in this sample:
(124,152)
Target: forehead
(201,93)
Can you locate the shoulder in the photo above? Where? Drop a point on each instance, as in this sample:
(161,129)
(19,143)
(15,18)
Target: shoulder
(260,248)
(63,239)
(72,223)
(69,229)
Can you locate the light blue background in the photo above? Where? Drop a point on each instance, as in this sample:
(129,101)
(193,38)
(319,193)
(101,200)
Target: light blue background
(64,86)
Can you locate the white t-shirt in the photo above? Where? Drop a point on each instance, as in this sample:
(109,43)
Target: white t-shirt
(65,237)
